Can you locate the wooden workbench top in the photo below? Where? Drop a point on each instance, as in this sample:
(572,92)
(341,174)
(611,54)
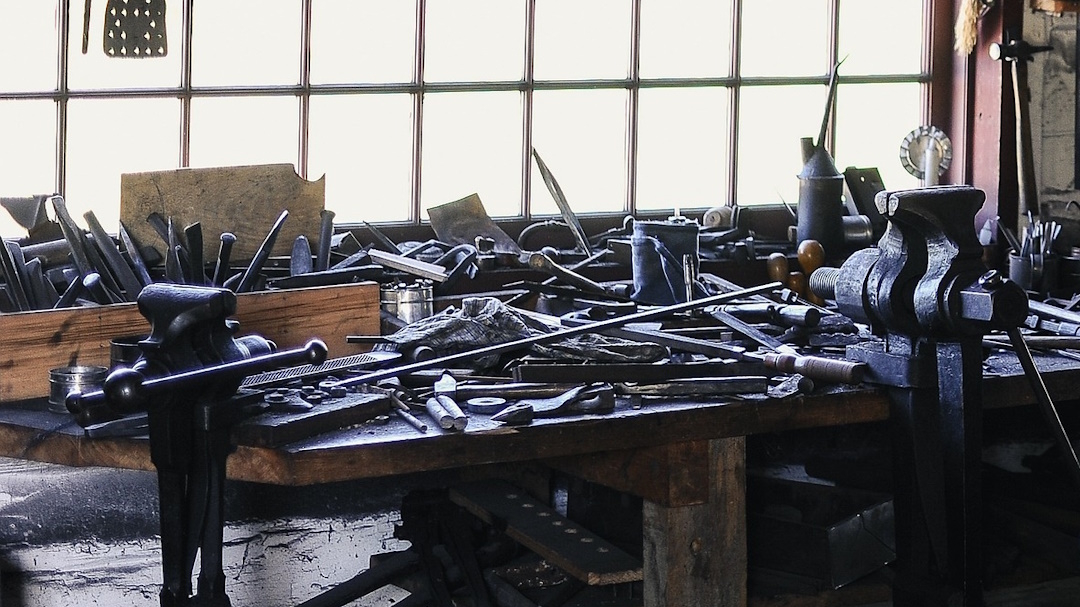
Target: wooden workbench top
(29,431)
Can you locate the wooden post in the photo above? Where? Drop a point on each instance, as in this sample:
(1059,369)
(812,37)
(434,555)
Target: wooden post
(696,555)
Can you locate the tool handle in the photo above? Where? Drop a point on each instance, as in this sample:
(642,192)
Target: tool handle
(816,367)
(811,257)
(798,282)
(777,267)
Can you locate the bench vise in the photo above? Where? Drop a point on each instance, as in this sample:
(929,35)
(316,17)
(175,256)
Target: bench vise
(186,381)
(926,292)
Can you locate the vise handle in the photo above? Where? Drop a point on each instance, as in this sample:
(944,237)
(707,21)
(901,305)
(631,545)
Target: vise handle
(127,390)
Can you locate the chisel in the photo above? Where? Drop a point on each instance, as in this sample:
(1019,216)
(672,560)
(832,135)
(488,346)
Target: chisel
(247,281)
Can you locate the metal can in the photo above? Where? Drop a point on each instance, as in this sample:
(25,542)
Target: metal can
(64,380)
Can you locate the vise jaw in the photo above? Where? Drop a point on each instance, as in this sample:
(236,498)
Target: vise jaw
(926,277)
(190,329)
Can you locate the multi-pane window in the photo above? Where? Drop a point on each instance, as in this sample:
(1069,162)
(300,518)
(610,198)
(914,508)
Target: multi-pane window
(635,105)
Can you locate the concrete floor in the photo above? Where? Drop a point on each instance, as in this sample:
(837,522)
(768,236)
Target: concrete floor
(88,536)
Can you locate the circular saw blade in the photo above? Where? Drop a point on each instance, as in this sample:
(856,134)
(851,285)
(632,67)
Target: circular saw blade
(914,147)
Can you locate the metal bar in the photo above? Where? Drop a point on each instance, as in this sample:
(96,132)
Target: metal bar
(544,338)
(1046,310)
(1042,394)
(135,389)
(407,264)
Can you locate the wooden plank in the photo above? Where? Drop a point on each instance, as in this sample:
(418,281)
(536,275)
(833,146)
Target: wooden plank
(34,342)
(539,528)
(668,475)
(696,555)
(244,200)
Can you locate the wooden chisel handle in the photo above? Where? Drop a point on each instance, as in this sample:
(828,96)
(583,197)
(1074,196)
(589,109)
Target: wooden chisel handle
(816,367)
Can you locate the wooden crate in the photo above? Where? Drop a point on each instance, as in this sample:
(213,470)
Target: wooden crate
(31,343)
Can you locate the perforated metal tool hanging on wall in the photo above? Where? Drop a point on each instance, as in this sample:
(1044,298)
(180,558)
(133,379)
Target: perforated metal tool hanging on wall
(133,28)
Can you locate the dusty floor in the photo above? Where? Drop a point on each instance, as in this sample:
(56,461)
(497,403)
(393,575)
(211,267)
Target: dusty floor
(88,536)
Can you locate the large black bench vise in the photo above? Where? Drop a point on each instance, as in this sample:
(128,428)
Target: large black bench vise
(926,292)
(186,382)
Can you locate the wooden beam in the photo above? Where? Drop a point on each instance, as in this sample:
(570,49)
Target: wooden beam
(696,555)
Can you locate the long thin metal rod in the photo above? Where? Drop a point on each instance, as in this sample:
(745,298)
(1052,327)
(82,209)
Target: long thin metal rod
(1042,394)
(596,327)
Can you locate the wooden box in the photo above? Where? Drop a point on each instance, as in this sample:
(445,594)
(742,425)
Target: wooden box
(31,343)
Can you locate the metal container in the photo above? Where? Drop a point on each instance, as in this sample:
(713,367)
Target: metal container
(410,303)
(64,380)
(124,351)
(657,252)
(821,203)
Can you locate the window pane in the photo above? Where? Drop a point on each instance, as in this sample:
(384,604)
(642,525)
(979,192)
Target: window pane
(231,131)
(95,69)
(582,40)
(872,138)
(363,144)
(27,158)
(472,143)
(784,38)
(28,31)
(245,42)
(772,119)
(581,135)
(362,41)
(97,156)
(682,148)
(873,49)
(685,38)
(474,40)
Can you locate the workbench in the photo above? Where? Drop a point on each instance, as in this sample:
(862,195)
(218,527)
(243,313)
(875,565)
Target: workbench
(685,459)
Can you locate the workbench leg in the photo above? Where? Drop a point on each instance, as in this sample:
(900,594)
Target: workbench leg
(696,555)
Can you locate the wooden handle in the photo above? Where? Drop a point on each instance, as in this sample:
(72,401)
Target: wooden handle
(797,282)
(777,266)
(816,367)
(811,257)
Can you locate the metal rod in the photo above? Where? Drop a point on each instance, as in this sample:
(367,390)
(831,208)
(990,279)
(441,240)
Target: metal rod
(543,338)
(1042,394)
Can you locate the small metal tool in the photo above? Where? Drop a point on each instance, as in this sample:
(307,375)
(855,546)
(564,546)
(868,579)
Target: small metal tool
(416,267)
(300,259)
(326,235)
(445,392)
(130,284)
(221,268)
(564,207)
(247,281)
(137,261)
(196,269)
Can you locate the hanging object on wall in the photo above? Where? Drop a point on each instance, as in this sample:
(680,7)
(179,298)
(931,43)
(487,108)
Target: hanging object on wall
(1018,54)
(1055,6)
(926,153)
(965,32)
(134,28)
